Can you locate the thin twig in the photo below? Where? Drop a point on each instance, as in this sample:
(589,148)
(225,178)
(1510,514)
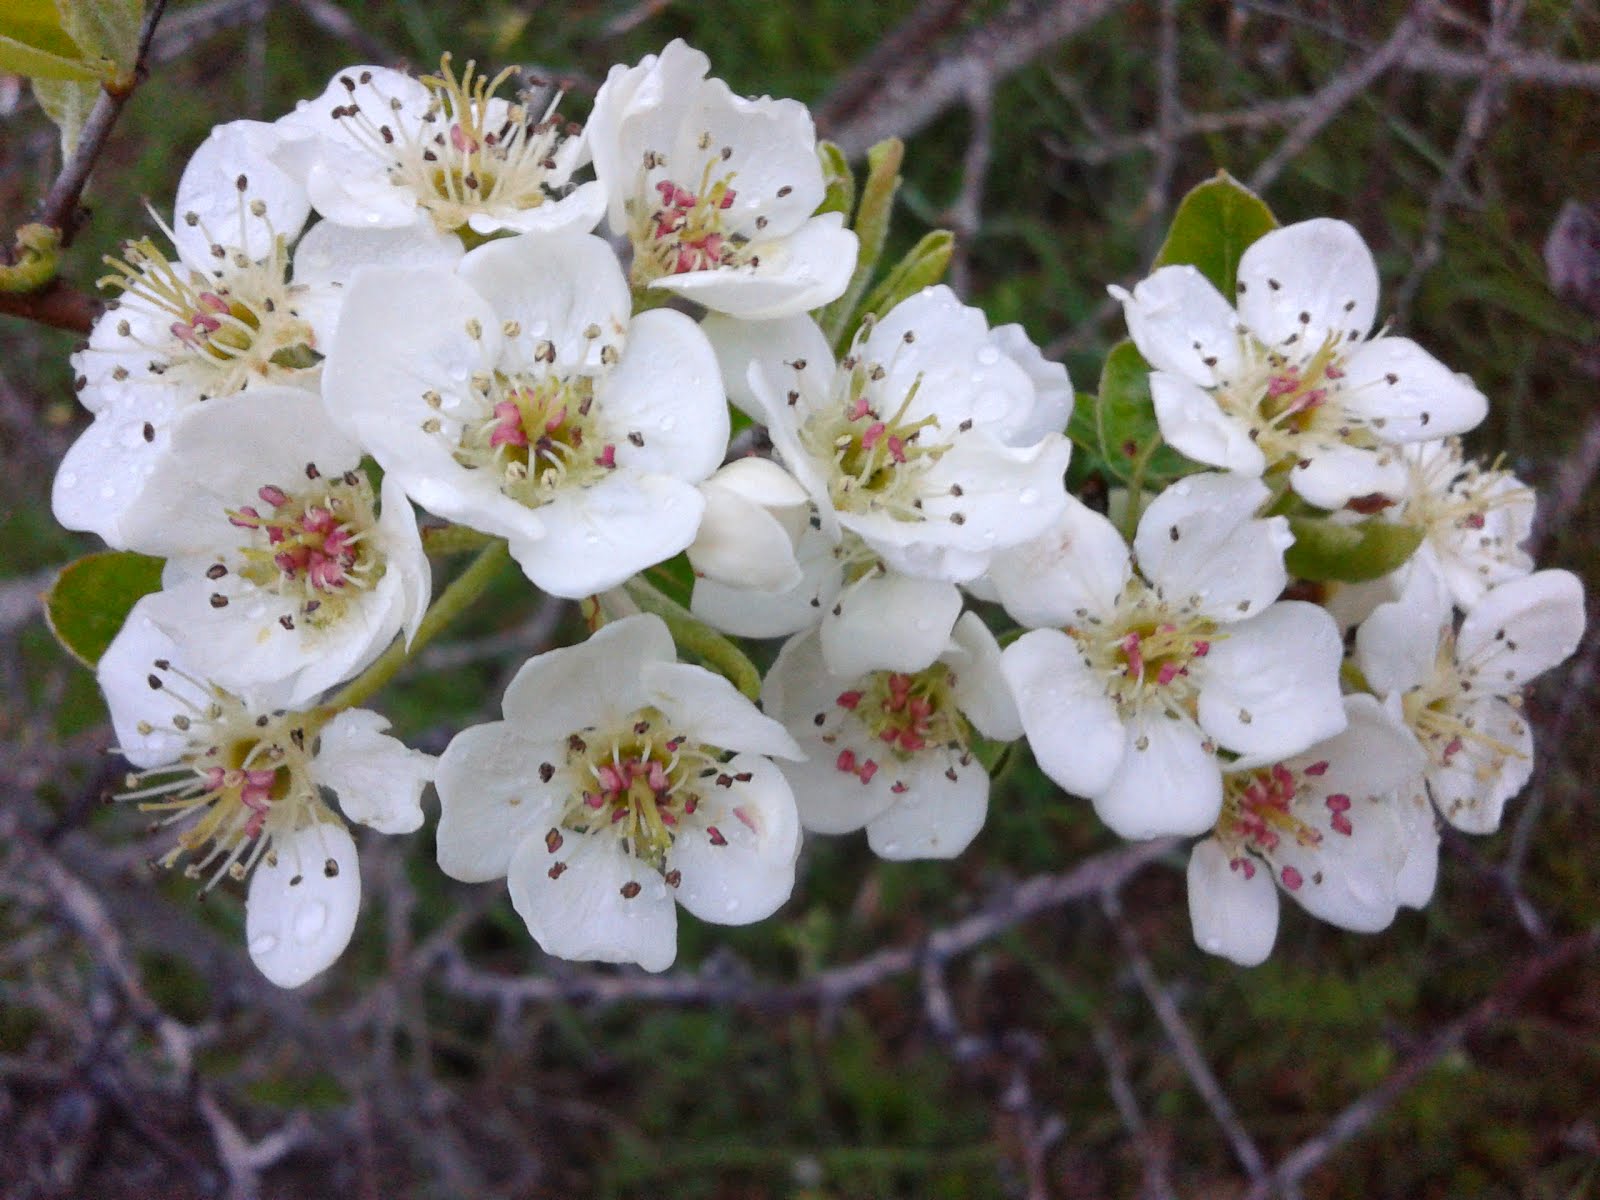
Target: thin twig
(1358,1116)
(1485,99)
(58,305)
(1156,1185)
(1332,98)
(828,988)
(921,87)
(1185,1045)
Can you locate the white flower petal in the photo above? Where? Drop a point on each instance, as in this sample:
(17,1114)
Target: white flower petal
(1334,475)
(491,798)
(1071,725)
(751,873)
(378,779)
(1201,543)
(580,912)
(1077,568)
(231,170)
(748,613)
(1472,788)
(597,680)
(1234,911)
(668,390)
(775,345)
(981,691)
(710,710)
(1166,783)
(1182,324)
(1271,685)
(1194,425)
(1306,283)
(555,286)
(1398,644)
(298,918)
(936,816)
(330,254)
(804,271)
(1406,394)
(1521,629)
(595,538)
(1053,394)
(889,621)
(1419,838)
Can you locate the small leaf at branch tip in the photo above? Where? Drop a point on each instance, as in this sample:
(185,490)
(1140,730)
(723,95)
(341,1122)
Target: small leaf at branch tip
(34,259)
(89,601)
(1326,551)
(923,266)
(839,181)
(1214,225)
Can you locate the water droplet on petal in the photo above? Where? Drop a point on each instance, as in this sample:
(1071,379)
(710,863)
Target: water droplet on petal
(308,922)
(891,847)
(1028,496)
(67,479)
(988,356)
(108,491)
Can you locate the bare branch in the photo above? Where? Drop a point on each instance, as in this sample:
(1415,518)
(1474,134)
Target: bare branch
(57,304)
(1358,1116)
(1332,99)
(919,87)
(828,988)
(1185,1045)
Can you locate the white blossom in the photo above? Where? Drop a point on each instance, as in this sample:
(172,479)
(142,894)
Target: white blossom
(891,751)
(607,796)
(518,397)
(1292,380)
(242,782)
(280,568)
(755,514)
(1327,826)
(1459,690)
(1129,682)
(382,150)
(716,192)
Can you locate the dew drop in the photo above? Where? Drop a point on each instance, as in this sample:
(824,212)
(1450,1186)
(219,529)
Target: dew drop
(67,479)
(1028,496)
(891,848)
(668,424)
(988,356)
(309,921)
(108,491)
(263,943)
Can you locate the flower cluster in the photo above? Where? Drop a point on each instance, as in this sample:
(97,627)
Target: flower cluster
(442,294)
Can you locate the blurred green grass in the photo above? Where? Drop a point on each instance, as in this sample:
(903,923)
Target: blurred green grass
(644,1101)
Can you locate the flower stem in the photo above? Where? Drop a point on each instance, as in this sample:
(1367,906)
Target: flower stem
(463,590)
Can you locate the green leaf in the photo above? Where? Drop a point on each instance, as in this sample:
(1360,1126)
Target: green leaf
(34,42)
(923,266)
(1126,421)
(1083,427)
(67,102)
(1325,550)
(838,179)
(90,600)
(107,28)
(1213,226)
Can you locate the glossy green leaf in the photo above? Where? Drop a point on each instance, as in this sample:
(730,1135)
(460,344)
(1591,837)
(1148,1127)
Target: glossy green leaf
(107,28)
(35,43)
(1213,226)
(1125,420)
(1327,551)
(90,600)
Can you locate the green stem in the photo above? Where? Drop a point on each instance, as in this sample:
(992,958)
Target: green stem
(463,590)
(1130,519)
